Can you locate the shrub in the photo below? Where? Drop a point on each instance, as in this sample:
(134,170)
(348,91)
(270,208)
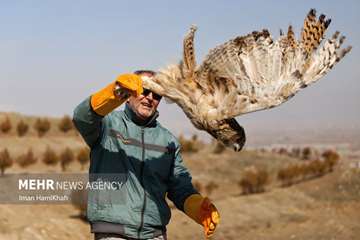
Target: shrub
(6,125)
(295,152)
(5,160)
(306,172)
(283,177)
(263,179)
(248,180)
(295,172)
(66,157)
(302,171)
(65,124)
(83,157)
(313,168)
(306,153)
(322,167)
(289,174)
(310,169)
(27,159)
(283,151)
(317,168)
(331,159)
(254,180)
(42,126)
(22,128)
(50,157)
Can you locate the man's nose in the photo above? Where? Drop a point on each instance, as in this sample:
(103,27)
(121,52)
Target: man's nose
(150,96)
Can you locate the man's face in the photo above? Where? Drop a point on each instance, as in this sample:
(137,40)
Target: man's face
(144,106)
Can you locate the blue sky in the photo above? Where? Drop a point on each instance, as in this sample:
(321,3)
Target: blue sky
(53,54)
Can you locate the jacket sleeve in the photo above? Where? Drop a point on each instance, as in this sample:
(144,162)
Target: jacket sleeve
(87,122)
(180,186)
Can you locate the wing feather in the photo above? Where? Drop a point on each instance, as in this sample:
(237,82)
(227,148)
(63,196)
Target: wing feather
(267,73)
(249,73)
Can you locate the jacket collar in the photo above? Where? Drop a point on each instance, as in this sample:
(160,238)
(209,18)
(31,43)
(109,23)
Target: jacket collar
(131,115)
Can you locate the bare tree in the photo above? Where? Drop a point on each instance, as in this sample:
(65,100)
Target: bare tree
(50,157)
(66,157)
(65,124)
(83,157)
(6,125)
(22,128)
(5,161)
(42,126)
(27,159)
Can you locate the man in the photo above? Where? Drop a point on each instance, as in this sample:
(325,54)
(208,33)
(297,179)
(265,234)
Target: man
(132,143)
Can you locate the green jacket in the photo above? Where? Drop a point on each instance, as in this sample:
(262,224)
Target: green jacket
(148,156)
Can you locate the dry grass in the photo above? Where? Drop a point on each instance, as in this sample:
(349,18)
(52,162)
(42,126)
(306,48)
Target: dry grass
(211,187)
(323,208)
(277,213)
(191,145)
(219,147)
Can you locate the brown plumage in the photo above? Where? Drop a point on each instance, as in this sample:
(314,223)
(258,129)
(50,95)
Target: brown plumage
(189,53)
(246,74)
(313,30)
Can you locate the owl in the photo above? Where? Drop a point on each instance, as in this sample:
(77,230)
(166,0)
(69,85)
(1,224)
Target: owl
(247,74)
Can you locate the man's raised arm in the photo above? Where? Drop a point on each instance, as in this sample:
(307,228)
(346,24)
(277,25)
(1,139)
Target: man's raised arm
(88,115)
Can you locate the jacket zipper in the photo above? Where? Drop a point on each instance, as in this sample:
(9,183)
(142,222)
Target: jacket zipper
(141,182)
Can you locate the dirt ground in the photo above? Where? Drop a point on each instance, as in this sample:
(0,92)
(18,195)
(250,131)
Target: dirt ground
(323,208)
(327,207)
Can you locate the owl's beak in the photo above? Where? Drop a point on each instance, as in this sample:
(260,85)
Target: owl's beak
(236,147)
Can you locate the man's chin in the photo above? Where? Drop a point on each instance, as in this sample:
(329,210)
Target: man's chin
(145,114)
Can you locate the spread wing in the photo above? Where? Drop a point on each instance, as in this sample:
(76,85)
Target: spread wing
(249,73)
(253,72)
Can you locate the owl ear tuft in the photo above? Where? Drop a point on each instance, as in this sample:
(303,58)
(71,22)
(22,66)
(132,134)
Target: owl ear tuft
(189,52)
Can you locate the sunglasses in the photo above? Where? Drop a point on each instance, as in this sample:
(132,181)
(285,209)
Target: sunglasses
(155,96)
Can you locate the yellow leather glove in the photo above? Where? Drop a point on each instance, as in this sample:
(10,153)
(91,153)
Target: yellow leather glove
(203,212)
(113,95)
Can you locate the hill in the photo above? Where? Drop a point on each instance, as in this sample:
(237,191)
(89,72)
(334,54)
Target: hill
(324,207)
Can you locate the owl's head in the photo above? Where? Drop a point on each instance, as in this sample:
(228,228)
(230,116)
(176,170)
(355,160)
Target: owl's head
(229,132)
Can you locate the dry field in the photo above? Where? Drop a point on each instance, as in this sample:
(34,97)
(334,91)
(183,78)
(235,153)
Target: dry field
(325,207)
